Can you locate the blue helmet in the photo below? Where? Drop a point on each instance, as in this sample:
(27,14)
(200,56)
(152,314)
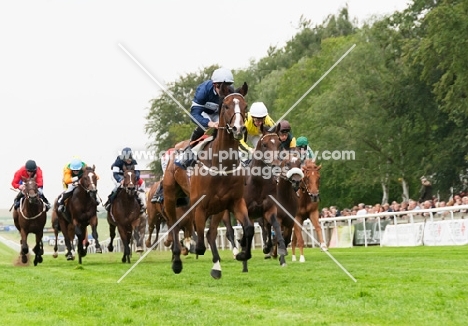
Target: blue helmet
(76,164)
(126,153)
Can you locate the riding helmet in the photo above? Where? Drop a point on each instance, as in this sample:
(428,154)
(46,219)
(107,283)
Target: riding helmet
(222,75)
(258,110)
(30,165)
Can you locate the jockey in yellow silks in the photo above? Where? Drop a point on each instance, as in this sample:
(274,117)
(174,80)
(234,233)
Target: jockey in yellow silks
(257,120)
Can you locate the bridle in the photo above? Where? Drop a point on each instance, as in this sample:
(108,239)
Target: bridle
(225,107)
(305,188)
(31,199)
(130,188)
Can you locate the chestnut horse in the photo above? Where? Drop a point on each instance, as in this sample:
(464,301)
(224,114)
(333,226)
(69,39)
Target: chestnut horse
(309,198)
(217,182)
(80,212)
(125,215)
(30,217)
(156,216)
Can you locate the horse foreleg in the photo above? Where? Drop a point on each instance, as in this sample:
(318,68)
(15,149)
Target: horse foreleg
(94,233)
(176,262)
(279,237)
(24,247)
(38,249)
(110,246)
(243,217)
(293,244)
(314,218)
(211,237)
(229,231)
(200,220)
(299,239)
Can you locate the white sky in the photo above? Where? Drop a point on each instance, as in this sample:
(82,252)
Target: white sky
(67,88)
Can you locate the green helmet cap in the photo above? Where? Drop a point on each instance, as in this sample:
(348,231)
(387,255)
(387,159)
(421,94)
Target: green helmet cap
(302,141)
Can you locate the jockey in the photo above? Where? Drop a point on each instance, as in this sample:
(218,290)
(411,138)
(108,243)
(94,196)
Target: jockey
(288,141)
(257,120)
(302,144)
(72,173)
(158,194)
(205,111)
(125,159)
(29,170)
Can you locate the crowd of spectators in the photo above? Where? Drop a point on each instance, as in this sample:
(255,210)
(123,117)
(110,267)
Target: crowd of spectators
(404,206)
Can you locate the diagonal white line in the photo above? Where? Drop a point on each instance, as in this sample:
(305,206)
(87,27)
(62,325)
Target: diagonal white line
(160,85)
(317,82)
(164,235)
(310,235)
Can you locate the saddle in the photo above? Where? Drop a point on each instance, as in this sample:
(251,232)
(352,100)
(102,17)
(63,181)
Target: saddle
(202,142)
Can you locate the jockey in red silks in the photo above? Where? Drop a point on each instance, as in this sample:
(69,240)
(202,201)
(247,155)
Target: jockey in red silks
(29,170)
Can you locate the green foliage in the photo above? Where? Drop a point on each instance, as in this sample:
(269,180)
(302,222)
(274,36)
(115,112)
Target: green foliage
(398,100)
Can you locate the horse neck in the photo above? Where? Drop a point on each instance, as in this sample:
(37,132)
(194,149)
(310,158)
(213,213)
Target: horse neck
(126,197)
(225,142)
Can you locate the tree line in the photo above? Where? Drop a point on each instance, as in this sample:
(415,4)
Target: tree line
(398,100)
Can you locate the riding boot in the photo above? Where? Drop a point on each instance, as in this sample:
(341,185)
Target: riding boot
(17,200)
(111,198)
(46,202)
(187,158)
(158,195)
(61,201)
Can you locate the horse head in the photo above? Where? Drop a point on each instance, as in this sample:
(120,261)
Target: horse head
(30,189)
(291,168)
(232,113)
(311,180)
(267,149)
(129,180)
(89,181)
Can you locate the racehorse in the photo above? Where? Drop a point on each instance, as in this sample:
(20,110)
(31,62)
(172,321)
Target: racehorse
(156,216)
(31,217)
(80,212)
(217,182)
(125,215)
(308,207)
(286,196)
(260,184)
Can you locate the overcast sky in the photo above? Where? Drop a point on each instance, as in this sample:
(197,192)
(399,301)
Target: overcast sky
(67,88)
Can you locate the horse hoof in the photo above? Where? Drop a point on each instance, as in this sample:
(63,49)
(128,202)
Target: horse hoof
(302,259)
(24,259)
(177,267)
(293,258)
(139,249)
(110,248)
(99,250)
(266,250)
(323,247)
(55,255)
(267,256)
(282,261)
(39,259)
(70,257)
(216,274)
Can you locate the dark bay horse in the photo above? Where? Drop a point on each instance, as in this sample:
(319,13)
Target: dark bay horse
(31,217)
(157,216)
(308,207)
(80,212)
(260,184)
(125,215)
(286,196)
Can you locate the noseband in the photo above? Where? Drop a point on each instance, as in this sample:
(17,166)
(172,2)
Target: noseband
(228,127)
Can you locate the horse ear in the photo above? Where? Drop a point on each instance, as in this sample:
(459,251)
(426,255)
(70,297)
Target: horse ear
(94,167)
(243,89)
(319,167)
(124,168)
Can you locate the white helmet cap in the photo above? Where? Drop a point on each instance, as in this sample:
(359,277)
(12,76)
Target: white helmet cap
(258,110)
(222,75)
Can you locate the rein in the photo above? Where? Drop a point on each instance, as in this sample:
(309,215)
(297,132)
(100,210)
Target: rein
(304,187)
(32,217)
(227,127)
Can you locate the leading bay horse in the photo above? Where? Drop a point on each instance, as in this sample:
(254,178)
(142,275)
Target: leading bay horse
(80,212)
(216,182)
(308,207)
(31,217)
(125,215)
